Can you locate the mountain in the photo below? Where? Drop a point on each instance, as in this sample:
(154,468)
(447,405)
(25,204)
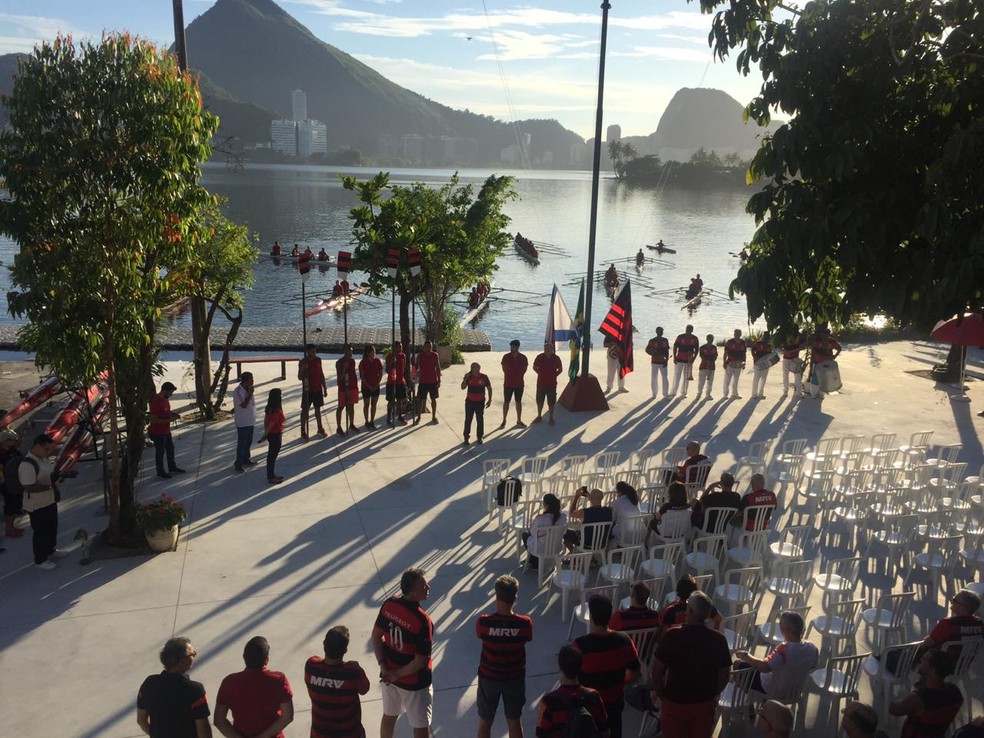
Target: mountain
(254,52)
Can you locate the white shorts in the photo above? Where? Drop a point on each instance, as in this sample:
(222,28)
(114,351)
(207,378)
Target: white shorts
(416,703)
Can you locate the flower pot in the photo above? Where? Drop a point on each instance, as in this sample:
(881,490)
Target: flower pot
(163,540)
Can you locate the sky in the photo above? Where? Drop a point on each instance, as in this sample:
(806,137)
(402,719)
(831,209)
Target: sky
(511,59)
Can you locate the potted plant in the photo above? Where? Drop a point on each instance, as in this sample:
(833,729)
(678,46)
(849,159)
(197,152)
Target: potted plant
(159,521)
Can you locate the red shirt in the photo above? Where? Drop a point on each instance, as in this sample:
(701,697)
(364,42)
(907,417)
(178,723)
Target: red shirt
(371,371)
(756,499)
(254,696)
(159,406)
(659,349)
(396,367)
(428,367)
(313,375)
(792,350)
(274,421)
(554,708)
(957,628)
(734,351)
(606,659)
(634,618)
(513,368)
(504,639)
(708,356)
(334,689)
(760,349)
(685,348)
(475,391)
(547,368)
(345,370)
(407,633)
(823,350)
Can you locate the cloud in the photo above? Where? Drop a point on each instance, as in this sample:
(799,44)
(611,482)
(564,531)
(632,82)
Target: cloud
(26,31)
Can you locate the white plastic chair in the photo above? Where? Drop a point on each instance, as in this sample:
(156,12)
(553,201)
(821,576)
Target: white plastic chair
(914,452)
(838,680)
(741,589)
(715,521)
(696,477)
(888,619)
(620,566)
(661,561)
(768,633)
(839,579)
(493,470)
(884,682)
(839,624)
(571,468)
(750,550)
(788,463)
(551,547)
(581,613)
(571,577)
(896,535)
(632,530)
(534,468)
(675,526)
(792,585)
(705,556)
(735,699)
(738,630)
(756,460)
(789,547)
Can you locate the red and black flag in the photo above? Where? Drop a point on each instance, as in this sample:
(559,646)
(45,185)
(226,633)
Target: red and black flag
(413,261)
(344,262)
(617,327)
(392,262)
(304,265)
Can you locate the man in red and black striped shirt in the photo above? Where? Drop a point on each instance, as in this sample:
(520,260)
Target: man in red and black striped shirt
(608,657)
(402,639)
(334,687)
(502,667)
(638,616)
(556,706)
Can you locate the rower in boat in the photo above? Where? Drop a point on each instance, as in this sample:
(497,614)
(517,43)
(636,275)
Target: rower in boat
(695,288)
(323,255)
(483,289)
(640,258)
(337,290)
(474,299)
(308,253)
(743,255)
(296,251)
(276,250)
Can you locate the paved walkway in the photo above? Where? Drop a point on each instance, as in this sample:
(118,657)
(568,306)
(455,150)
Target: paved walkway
(323,548)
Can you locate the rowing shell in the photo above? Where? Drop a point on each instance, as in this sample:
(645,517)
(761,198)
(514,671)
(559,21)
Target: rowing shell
(664,250)
(472,313)
(335,303)
(693,301)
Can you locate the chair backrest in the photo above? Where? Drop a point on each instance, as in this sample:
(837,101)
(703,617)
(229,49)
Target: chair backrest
(594,536)
(580,565)
(850,669)
(716,520)
(754,541)
(897,605)
(901,659)
(793,447)
(494,469)
(523,512)
(703,582)
(607,461)
(594,480)
(628,557)
(535,466)
(571,466)
(696,476)
(711,545)
(964,652)
(756,517)
(882,442)
(948,454)
(827,447)
(802,572)
(849,613)
(674,455)
(919,441)
(632,529)
(770,627)
(606,590)
(851,444)
(670,552)
(639,459)
(675,525)
(741,625)
(644,640)
(847,569)
(758,450)
(795,535)
(953,471)
(512,489)
(738,698)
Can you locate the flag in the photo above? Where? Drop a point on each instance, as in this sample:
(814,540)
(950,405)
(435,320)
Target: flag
(413,261)
(392,262)
(304,266)
(617,326)
(575,341)
(344,263)
(560,325)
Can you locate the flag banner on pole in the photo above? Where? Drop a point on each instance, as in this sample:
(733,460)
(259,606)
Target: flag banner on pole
(617,326)
(575,341)
(304,266)
(560,325)
(344,262)
(392,262)
(413,261)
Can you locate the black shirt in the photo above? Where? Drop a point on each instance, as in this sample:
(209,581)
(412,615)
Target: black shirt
(174,703)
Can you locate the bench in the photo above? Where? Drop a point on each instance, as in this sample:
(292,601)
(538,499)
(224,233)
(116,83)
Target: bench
(262,359)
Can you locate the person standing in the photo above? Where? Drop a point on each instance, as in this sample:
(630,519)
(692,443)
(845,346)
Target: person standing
(244,414)
(314,389)
(690,668)
(476,385)
(274,422)
(429,378)
(705,371)
(33,478)
(557,708)
(371,373)
(396,385)
(823,347)
(735,353)
(514,365)
(547,367)
(792,364)
(684,352)
(658,349)
(502,665)
(614,352)
(348,390)
(260,700)
(610,660)
(13,502)
(402,640)
(760,349)
(334,687)
(159,431)
(169,704)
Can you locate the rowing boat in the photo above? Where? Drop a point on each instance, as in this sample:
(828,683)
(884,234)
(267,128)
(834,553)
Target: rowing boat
(32,398)
(526,249)
(661,249)
(693,301)
(337,302)
(473,313)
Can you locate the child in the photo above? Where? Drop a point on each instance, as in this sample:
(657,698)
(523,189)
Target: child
(273,432)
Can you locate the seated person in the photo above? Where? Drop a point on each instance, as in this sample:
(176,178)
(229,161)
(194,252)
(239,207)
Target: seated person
(719,494)
(676,499)
(675,613)
(694,456)
(756,497)
(624,506)
(323,255)
(535,538)
(930,707)
(780,675)
(595,512)
(963,623)
(638,614)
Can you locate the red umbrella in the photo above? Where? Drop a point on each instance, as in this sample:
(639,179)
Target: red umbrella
(963,330)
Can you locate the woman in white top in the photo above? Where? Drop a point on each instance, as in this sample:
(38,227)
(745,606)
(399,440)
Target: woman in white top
(625,505)
(535,539)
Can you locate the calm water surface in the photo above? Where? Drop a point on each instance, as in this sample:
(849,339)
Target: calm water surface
(307,205)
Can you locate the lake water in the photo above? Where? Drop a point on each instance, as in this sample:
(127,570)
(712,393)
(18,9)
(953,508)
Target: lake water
(307,205)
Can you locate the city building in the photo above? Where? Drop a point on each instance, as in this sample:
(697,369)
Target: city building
(283,136)
(312,138)
(298,104)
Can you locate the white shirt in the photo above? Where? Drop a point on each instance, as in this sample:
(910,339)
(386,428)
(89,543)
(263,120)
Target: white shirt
(244,416)
(27,477)
(622,508)
(538,532)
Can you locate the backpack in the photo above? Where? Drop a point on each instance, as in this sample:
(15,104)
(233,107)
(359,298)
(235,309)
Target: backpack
(580,723)
(500,491)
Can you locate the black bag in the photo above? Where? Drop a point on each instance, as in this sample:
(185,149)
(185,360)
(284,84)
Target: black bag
(11,476)
(500,491)
(580,723)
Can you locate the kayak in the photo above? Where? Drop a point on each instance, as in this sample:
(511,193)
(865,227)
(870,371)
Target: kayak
(661,249)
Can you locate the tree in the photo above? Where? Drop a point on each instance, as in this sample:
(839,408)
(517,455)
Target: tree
(458,234)
(620,152)
(223,268)
(101,166)
(874,189)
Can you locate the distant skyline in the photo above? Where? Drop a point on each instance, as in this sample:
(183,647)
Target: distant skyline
(505,58)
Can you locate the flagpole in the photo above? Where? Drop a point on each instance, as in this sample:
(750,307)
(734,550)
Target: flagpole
(304,311)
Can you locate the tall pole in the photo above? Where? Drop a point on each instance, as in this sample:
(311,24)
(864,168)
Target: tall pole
(304,311)
(595,178)
(180,47)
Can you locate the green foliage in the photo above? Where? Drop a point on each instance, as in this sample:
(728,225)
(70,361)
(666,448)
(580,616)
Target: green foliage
(458,233)
(101,165)
(160,515)
(874,190)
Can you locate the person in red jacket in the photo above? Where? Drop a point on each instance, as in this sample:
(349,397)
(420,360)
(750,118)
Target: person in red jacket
(684,353)
(658,349)
(705,371)
(735,353)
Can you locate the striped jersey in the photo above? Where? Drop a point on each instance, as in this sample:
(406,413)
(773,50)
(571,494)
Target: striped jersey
(334,689)
(504,639)
(407,633)
(606,658)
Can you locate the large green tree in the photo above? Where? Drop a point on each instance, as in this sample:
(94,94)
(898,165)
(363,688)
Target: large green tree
(101,167)
(621,153)
(874,188)
(458,233)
